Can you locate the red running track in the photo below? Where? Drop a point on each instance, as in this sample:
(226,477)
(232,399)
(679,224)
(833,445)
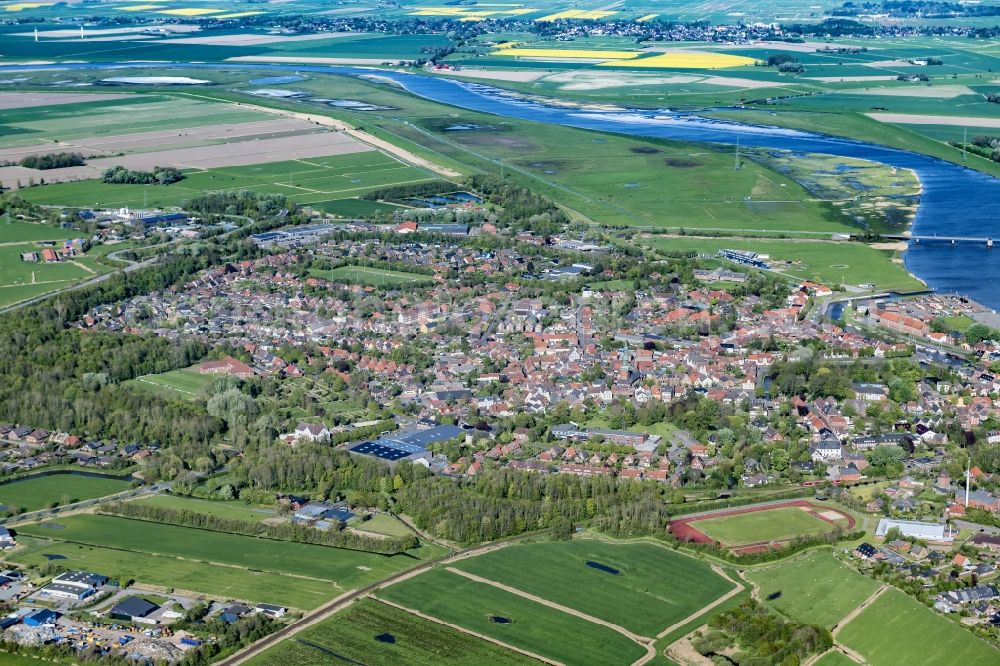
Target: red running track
(684,531)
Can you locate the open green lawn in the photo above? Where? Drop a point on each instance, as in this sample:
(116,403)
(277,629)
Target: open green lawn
(827,262)
(655,587)
(896,629)
(376,277)
(314,181)
(227,582)
(340,569)
(771,525)
(185,383)
(835,658)
(816,589)
(40,492)
(17,232)
(382,523)
(545,631)
(370,632)
(20,280)
(220,509)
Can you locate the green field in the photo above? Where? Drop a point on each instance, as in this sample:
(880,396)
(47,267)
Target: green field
(221,509)
(896,629)
(26,232)
(224,581)
(329,570)
(382,523)
(545,631)
(827,262)
(315,181)
(375,277)
(655,587)
(186,383)
(816,589)
(41,492)
(405,639)
(20,280)
(777,524)
(834,658)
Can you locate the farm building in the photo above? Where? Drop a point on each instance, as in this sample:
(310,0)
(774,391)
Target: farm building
(271,611)
(409,444)
(74,585)
(915,529)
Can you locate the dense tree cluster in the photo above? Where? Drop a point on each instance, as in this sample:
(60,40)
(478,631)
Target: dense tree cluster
(761,637)
(52,161)
(119,175)
(502,503)
(519,206)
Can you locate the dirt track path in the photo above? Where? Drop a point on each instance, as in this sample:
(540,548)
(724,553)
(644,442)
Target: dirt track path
(644,641)
(857,611)
(484,637)
(738,587)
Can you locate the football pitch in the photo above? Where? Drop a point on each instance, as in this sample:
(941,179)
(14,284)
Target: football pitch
(778,524)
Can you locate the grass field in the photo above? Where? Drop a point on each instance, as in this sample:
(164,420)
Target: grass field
(834,658)
(830,263)
(382,523)
(20,280)
(185,383)
(25,232)
(308,567)
(772,525)
(223,581)
(376,277)
(220,509)
(40,492)
(655,587)
(370,632)
(319,181)
(816,589)
(896,629)
(551,633)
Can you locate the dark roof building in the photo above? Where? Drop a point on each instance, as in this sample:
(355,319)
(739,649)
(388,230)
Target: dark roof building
(133,607)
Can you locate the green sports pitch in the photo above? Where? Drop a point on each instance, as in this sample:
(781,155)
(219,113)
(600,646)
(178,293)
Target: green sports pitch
(779,524)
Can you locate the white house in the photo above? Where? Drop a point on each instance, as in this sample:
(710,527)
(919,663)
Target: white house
(314,432)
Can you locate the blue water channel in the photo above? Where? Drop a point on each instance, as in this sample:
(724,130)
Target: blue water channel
(956,201)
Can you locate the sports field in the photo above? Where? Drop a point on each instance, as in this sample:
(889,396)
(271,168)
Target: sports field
(376,277)
(312,573)
(370,632)
(896,629)
(513,619)
(41,492)
(653,588)
(186,383)
(313,181)
(815,589)
(772,525)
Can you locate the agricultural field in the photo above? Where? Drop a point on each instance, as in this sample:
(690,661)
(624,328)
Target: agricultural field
(815,589)
(828,262)
(311,572)
(315,181)
(834,658)
(186,383)
(40,492)
(512,619)
(369,276)
(371,632)
(895,629)
(779,524)
(382,523)
(648,589)
(26,232)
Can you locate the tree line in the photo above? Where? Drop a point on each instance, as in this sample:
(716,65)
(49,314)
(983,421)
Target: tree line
(290,531)
(761,636)
(119,175)
(52,161)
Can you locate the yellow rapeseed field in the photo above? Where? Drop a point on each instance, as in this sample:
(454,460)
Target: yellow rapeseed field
(689,60)
(593,15)
(647,17)
(191,11)
(21,6)
(140,8)
(590,54)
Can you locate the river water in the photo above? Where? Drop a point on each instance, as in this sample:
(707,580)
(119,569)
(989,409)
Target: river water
(956,201)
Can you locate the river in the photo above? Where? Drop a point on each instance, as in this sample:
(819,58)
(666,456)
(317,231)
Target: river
(956,200)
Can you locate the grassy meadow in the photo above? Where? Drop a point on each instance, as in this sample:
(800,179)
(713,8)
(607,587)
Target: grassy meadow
(772,525)
(186,383)
(530,626)
(369,276)
(40,492)
(371,632)
(655,587)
